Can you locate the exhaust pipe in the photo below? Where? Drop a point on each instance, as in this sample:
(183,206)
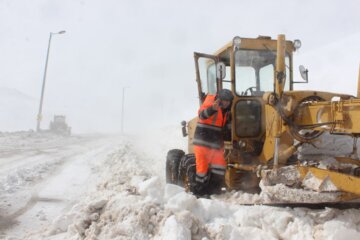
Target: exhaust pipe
(280,65)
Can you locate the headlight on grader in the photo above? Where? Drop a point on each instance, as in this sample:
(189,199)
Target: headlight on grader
(237,42)
(297,44)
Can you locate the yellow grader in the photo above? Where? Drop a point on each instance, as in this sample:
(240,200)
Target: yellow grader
(271,120)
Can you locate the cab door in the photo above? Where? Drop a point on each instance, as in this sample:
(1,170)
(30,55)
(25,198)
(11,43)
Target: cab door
(206,74)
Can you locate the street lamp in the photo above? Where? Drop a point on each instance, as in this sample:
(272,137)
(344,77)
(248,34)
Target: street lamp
(44,80)
(122,110)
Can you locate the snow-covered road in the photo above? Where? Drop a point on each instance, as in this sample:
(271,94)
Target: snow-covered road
(43,175)
(98,187)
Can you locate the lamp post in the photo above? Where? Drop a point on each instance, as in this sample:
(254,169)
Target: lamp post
(44,80)
(122,110)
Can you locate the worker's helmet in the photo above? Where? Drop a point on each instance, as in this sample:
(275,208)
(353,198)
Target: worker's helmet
(226,95)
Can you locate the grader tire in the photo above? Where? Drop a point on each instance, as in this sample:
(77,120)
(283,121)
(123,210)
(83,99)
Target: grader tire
(172,165)
(187,172)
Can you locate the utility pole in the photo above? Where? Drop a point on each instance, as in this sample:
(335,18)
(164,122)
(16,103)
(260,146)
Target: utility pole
(39,116)
(123,110)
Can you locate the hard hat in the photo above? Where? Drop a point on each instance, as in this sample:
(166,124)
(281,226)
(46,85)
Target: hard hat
(226,95)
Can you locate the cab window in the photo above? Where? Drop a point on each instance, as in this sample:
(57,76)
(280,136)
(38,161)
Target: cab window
(207,71)
(255,71)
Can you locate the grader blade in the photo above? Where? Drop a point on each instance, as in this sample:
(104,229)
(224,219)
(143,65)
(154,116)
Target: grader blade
(343,182)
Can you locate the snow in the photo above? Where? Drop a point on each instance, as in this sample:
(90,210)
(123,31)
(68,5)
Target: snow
(102,187)
(173,229)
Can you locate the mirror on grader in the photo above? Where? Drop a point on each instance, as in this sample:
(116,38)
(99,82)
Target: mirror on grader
(303,73)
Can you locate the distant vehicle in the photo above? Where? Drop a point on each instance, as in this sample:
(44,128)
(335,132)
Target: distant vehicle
(59,126)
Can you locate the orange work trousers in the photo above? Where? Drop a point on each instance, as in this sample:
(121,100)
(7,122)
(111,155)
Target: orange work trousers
(208,157)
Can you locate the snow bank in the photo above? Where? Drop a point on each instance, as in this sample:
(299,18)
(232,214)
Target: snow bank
(132,202)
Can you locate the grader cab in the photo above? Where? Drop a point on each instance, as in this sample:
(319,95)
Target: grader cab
(270,121)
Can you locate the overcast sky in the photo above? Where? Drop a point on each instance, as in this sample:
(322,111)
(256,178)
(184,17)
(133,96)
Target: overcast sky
(148,47)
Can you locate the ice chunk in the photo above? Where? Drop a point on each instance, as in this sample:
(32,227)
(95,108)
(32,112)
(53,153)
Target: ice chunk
(136,180)
(171,190)
(316,184)
(335,230)
(97,205)
(181,201)
(250,233)
(174,230)
(150,189)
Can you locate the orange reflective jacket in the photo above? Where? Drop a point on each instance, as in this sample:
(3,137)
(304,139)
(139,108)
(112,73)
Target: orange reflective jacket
(208,131)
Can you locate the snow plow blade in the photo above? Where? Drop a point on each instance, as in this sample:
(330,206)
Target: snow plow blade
(317,186)
(344,182)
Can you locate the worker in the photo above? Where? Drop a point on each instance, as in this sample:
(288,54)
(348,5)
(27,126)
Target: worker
(214,115)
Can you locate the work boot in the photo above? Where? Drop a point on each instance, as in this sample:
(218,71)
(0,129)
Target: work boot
(216,183)
(199,189)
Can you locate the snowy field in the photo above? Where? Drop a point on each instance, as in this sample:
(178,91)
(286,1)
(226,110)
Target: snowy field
(113,187)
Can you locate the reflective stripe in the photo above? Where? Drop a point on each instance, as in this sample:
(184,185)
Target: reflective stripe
(202,180)
(206,143)
(209,126)
(201,174)
(206,114)
(216,171)
(201,177)
(217,166)
(214,119)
